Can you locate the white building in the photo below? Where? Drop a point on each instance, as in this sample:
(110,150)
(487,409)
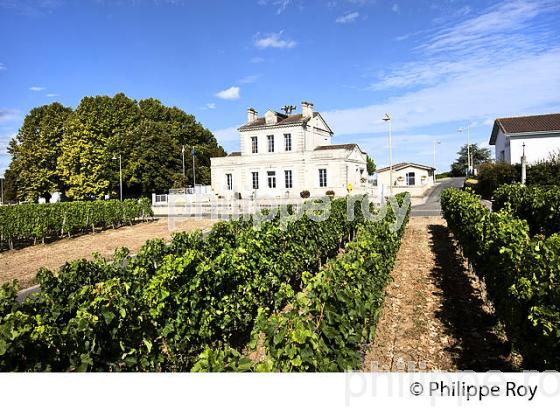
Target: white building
(407,177)
(284,154)
(539,133)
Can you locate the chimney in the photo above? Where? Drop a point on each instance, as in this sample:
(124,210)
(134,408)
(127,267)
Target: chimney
(307,109)
(251,115)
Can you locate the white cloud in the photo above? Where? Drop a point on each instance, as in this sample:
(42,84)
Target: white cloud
(52,95)
(347,18)
(228,138)
(7,114)
(231,93)
(395,8)
(274,40)
(250,79)
(211,106)
(256,60)
(528,86)
(35,88)
(2,67)
(280,5)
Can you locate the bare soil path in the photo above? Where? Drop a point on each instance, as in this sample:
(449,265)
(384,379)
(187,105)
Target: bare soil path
(436,316)
(23,264)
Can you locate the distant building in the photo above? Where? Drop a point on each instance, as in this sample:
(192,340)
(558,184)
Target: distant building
(407,176)
(283,154)
(540,133)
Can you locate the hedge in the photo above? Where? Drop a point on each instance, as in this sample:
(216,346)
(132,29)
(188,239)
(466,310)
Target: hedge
(539,206)
(522,274)
(36,222)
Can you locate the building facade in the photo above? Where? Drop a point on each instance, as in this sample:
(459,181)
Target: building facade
(539,133)
(284,154)
(407,176)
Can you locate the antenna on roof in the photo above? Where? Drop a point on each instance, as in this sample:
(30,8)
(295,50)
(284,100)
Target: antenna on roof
(288,109)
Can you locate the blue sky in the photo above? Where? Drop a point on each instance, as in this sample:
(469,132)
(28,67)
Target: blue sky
(434,65)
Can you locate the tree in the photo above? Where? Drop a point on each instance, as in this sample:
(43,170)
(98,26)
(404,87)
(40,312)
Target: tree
(97,131)
(371,167)
(35,150)
(73,151)
(478,156)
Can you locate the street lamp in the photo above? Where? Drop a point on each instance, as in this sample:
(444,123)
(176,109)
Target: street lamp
(2,189)
(468,129)
(387,119)
(193,171)
(436,142)
(120,173)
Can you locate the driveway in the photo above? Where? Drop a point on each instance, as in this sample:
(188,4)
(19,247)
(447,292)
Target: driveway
(432,206)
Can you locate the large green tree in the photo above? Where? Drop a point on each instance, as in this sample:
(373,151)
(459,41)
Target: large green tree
(478,156)
(75,151)
(35,150)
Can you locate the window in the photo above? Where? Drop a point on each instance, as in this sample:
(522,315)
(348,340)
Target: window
(287,142)
(271,179)
(270,139)
(255,176)
(410,178)
(288,178)
(502,155)
(322,178)
(229,180)
(254,145)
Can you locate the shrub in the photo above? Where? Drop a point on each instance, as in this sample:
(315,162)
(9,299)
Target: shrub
(329,193)
(522,274)
(545,172)
(491,175)
(304,194)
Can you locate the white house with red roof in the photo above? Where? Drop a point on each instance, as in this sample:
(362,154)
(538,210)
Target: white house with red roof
(284,154)
(539,133)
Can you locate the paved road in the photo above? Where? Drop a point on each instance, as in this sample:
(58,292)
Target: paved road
(432,206)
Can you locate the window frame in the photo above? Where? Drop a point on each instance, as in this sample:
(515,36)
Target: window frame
(271,177)
(287,142)
(255,145)
(270,143)
(410,176)
(255,179)
(323,179)
(288,177)
(229,181)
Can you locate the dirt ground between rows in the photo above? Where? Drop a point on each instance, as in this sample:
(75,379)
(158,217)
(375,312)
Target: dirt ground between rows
(436,316)
(23,264)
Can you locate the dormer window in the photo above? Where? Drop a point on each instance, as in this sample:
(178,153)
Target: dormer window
(270,139)
(254,145)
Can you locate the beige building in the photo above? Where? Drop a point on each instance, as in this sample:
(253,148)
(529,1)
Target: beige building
(283,154)
(407,176)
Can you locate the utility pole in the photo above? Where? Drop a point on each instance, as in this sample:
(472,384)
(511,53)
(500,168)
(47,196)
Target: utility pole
(387,118)
(523,166)
(193,171)
(120,175)
(2,189)
(183,154)
(436,142)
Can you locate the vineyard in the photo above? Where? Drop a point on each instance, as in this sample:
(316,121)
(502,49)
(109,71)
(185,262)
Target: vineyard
(300,298)
(520,265)
(29,223)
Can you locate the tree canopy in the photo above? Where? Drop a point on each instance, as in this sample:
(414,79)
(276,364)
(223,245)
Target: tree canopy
(478,154)
(371,167)
(74,151)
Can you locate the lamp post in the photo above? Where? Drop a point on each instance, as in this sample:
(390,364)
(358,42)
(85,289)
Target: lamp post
(120,173)
(468,129)
(193,171)
(387,118)
(523,166)
(2,189)
(436,142)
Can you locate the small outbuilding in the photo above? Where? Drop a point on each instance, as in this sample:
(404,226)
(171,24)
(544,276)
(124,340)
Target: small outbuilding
(407,176)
